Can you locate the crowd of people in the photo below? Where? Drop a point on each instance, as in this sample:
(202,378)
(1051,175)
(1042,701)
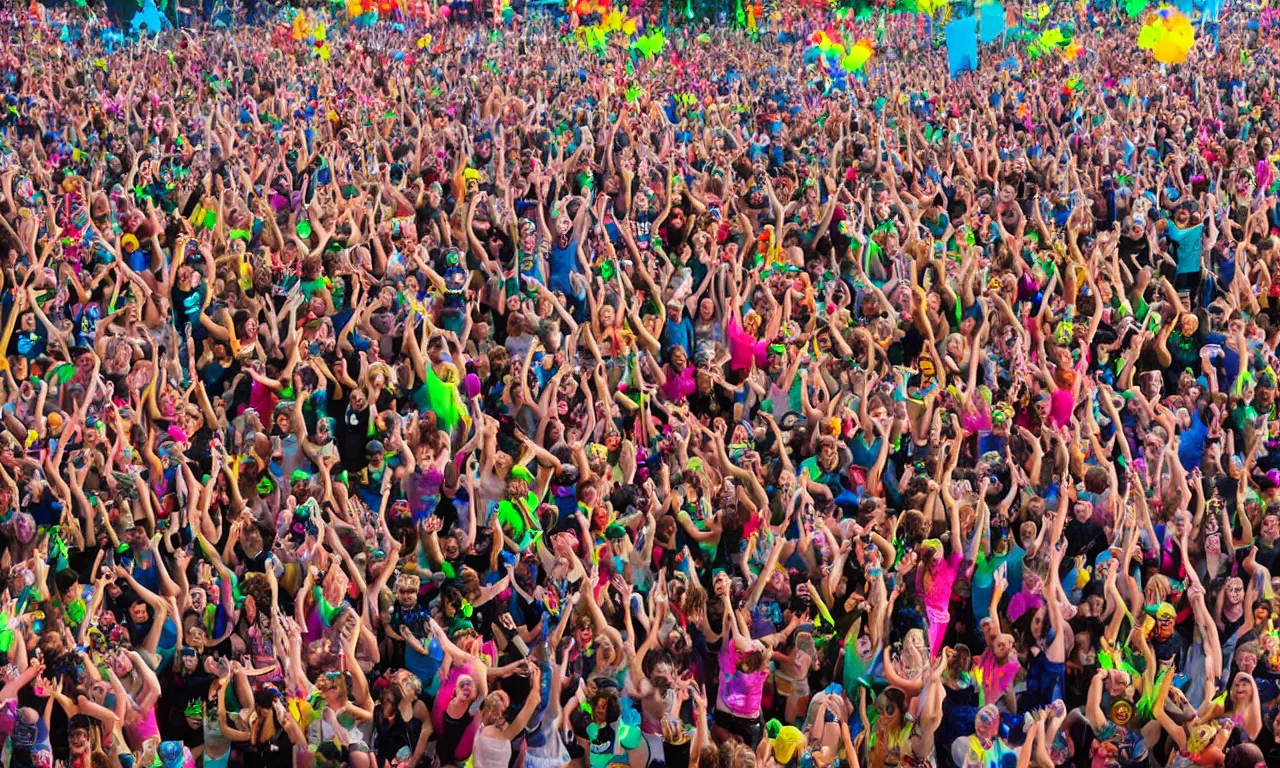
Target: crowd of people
(509,395)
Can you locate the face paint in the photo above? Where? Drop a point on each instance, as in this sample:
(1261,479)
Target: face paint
(1121,712)
(1200,738)
(987,722)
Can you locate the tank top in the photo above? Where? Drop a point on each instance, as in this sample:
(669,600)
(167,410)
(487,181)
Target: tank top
(457,739)
(562,262)
(144,729)
(268,752)
(392,733)
(491,752)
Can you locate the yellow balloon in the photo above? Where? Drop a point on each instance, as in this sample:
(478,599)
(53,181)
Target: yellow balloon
(1148,36)
(1168,50)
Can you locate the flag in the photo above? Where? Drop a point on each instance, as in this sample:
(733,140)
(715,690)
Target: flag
(990,22)
(962,45)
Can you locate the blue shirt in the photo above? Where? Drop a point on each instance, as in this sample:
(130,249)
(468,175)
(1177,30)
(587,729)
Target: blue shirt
(1191,449)
(984,578)
(563,262)
(679,334)
(1190,244)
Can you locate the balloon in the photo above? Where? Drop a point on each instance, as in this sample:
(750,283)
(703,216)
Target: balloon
(858,56)
(650,44)
(1167,51)
(1052,37)
(472,383)
(1170,49)
(1147,37)
(1169,36)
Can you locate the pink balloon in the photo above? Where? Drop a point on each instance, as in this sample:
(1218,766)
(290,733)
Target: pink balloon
(473,384)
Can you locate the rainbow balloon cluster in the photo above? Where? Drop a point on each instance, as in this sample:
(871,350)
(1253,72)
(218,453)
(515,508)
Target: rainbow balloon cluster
(614,21)
(584,8)
(650,44)
(368,11)
(850,58)
(1054,39)
(613,26)
(312,31)
(1168,34)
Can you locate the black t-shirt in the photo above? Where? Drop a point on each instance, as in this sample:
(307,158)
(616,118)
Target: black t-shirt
(255,564)
(1266,742)
(81,561)
(351,434)
(715,403)
(1086,539)
(1136,252)
(178,691)
(199,452)
(119,606)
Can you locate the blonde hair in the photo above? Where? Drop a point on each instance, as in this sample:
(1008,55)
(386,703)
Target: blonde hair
(469,583)
(332,681)
(414,683)
(1160,586)
(491,710)
(388,373)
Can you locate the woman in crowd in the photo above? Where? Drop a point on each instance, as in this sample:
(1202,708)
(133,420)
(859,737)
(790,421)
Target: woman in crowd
(417,389)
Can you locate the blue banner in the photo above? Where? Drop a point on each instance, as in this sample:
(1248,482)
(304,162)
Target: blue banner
(990,22)
(962,45)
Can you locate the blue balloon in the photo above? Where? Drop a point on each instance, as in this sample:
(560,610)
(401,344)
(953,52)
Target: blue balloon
(150,18)
(112,40)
